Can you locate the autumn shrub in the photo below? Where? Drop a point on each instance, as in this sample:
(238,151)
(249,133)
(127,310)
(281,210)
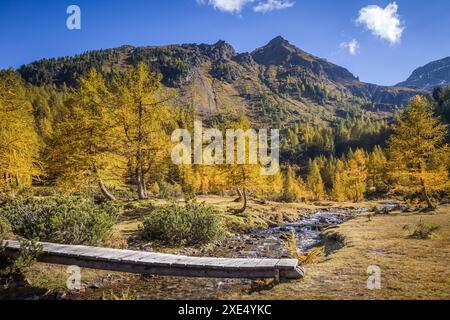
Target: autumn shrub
(177,225)
(67,220)
(422,230)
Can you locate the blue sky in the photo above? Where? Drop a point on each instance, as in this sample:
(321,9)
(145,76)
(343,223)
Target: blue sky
(380,41)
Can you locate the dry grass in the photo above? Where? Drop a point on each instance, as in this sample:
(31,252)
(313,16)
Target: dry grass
(290,242)
(312,256)
(126,295)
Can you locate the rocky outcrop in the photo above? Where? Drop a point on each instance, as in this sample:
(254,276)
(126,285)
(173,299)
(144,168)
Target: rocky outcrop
(218,51)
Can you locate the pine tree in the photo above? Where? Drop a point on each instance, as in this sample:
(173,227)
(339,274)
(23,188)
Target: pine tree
(441,96)
(418,153)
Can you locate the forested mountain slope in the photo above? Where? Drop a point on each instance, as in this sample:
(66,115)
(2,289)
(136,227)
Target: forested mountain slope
(275,84)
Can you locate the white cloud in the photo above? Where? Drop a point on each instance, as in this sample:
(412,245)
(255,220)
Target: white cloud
(352,46)
(236,6)
(233,6)
(384,23)
(271,5)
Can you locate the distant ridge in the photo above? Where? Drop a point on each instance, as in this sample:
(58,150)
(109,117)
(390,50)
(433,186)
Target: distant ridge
(430,76)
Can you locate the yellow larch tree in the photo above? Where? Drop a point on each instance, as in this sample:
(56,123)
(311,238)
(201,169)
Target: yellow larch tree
(84,145)
(377,167)
(243,177)
(314,181)
(146,122)
(356,175)
(19,143)
(338,192)
(418,152)
(294,188)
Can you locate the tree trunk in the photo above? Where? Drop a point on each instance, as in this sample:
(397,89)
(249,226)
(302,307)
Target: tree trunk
(108,195)
(239,198)
(139,156)
(141,188)
(105,191)
(426,195)
(7,179)
(139,177)
(244,198)
(144,184)
(141,191)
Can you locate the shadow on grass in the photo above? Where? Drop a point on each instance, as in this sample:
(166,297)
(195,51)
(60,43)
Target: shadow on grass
(136,210)
(262,285)
(24,291)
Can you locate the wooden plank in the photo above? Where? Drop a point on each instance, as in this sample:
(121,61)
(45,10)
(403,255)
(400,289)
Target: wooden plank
(268,263)
(66,250)
(12,244)
(287,263)
(163,260)
(114,255)
(164,264)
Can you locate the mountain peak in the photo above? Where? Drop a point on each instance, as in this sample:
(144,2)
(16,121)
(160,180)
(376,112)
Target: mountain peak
(278,41)
(279,51)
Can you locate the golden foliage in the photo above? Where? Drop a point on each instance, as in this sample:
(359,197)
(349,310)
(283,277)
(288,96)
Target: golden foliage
(418,152)
(19,144)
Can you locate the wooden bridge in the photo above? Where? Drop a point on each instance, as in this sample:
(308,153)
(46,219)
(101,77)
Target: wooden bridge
(163,264)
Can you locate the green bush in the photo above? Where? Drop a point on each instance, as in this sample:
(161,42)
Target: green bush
(12,267)
(5,229)
(68,220)
(178,225)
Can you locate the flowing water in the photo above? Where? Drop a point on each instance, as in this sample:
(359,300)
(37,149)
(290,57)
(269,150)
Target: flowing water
(270,243)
